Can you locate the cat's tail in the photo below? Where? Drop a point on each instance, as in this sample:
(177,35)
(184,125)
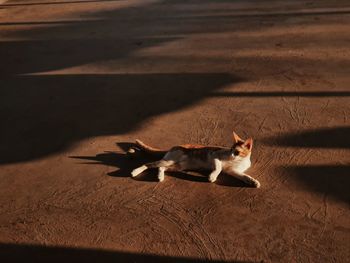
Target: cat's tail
(147,149)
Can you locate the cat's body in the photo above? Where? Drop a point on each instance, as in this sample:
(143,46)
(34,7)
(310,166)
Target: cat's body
(233,161)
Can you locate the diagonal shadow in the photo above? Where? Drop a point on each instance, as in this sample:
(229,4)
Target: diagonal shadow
(45,114)
(22,57)
(337,137)
(253,94)
(117,33)
(57,3)
(330,180)
(59,254)
(324,179)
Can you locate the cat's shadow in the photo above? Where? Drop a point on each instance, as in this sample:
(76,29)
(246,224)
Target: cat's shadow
(127,162)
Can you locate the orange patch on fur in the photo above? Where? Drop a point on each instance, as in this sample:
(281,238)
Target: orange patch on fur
(192,146)
(243,151)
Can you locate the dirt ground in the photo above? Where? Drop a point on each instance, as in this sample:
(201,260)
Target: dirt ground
(80,80)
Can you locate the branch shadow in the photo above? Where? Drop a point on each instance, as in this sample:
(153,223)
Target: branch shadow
(40,253)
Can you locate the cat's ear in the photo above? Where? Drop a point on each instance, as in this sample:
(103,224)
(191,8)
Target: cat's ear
(236,138)
(249,144)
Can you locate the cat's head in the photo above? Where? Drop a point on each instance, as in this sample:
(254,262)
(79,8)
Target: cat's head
(242,148)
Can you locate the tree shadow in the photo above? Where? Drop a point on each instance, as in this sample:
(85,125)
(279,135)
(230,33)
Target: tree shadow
(40,253)
(127,162)
(317,138)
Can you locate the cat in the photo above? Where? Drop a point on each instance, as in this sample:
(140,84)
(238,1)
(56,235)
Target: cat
(233,161)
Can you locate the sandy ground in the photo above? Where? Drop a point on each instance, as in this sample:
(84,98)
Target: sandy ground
(80,80)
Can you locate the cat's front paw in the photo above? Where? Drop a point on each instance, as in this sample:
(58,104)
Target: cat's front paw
(255,183)
(161,177)
(212,178)
(134,173)
(251,182)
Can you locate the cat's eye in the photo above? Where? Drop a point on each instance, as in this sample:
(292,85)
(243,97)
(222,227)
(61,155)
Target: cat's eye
(235,152)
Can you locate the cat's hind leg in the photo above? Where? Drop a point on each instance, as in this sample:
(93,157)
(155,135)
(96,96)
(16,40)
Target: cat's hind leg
(161,171)
(138,170)
(161,165)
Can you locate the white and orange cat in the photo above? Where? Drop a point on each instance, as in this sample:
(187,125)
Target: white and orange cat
(233,161)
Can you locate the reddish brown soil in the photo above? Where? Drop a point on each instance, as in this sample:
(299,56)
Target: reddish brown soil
(80,80)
